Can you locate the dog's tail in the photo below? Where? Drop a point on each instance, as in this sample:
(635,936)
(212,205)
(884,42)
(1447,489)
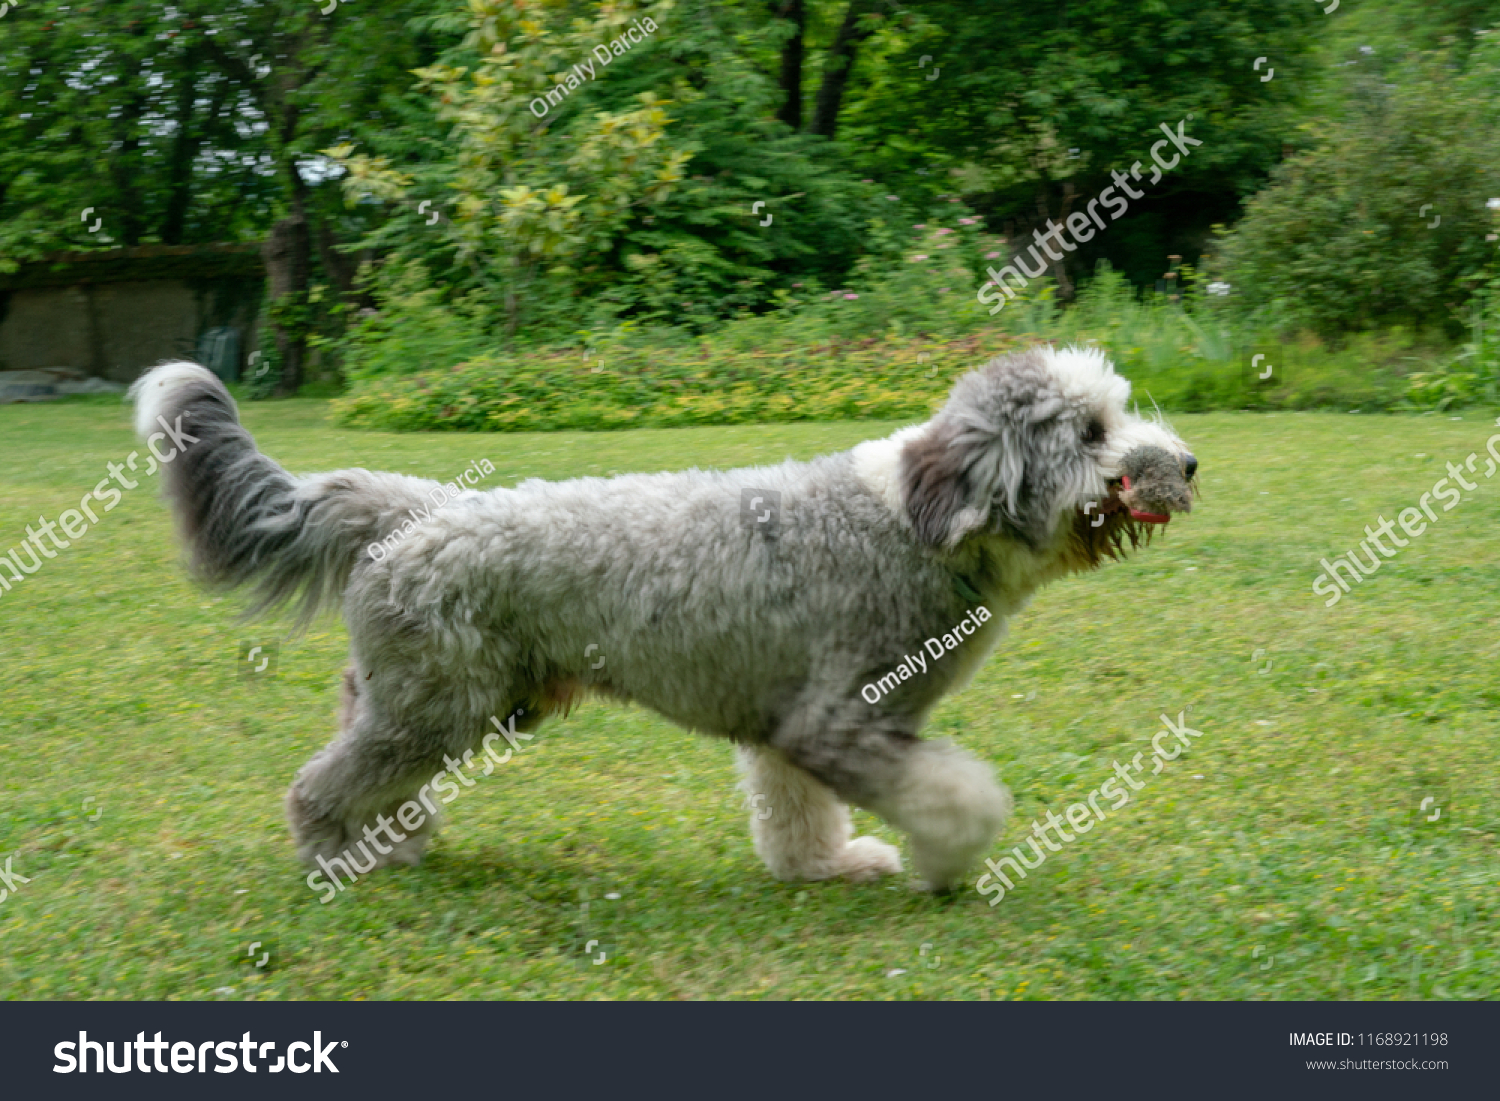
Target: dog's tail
(244,518)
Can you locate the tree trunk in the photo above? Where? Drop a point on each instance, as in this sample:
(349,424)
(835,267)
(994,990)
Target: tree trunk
(1059,267)
(180,160)
(286,254)
(123,167)
(791,61)
(340,268)
(186,144)
(836,70)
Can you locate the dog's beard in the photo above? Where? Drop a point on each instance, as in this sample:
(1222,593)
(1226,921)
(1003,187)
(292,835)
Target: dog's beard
(1097,537)
(1113,528)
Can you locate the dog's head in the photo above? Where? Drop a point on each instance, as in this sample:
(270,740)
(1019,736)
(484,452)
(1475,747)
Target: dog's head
(1039,448)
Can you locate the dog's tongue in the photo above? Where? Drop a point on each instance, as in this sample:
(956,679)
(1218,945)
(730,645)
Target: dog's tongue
(1145,517)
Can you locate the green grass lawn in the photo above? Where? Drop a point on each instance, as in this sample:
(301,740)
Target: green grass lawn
(1287,856)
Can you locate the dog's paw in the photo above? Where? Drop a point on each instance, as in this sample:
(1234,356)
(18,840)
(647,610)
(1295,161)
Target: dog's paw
(947,887)
(408,852)
(938,879)
(867,858)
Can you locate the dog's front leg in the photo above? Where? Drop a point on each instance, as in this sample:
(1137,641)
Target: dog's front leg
(951,806)
(949,803)
(801,830)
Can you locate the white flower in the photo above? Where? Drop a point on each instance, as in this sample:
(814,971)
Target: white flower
(1493,204)
(1218,288)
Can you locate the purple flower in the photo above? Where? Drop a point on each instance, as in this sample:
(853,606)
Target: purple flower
(851,296)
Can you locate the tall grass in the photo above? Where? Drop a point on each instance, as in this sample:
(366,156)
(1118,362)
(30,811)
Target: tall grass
(1194,352)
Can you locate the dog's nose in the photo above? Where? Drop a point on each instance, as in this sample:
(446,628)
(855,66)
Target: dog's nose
(1189,465)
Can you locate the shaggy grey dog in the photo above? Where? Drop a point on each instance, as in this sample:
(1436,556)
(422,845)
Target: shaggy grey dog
(766,605)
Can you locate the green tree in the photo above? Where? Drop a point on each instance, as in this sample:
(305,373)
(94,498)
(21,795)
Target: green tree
(636,189)
(310,76)
(1024,109)
(1384,219)
(197,122)
(115,107)
(527,194)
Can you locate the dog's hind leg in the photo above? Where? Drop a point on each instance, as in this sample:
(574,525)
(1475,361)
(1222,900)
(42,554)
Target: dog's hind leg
(945,800)
(346,802)
(801,830)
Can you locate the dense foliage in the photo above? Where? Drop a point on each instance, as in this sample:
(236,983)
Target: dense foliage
(438,182)
(816,361)
(1385,219)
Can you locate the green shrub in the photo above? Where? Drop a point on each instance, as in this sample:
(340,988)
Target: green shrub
(770,370)
(888,350)
(1473,375)
(1194,353)
(697,384)
(1383,221)
(413,330)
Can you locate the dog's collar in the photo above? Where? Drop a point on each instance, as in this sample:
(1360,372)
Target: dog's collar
(965,588)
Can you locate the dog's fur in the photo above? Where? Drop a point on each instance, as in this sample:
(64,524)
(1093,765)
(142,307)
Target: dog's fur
(502,601)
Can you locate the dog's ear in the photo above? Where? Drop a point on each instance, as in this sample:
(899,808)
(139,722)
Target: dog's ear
(960,477)
(1028,518)
(1022,483)
(944,481)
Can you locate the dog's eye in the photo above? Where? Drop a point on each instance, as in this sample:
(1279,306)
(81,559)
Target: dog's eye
(1093,432)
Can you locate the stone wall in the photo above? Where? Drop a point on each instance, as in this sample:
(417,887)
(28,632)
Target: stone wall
(114,313)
